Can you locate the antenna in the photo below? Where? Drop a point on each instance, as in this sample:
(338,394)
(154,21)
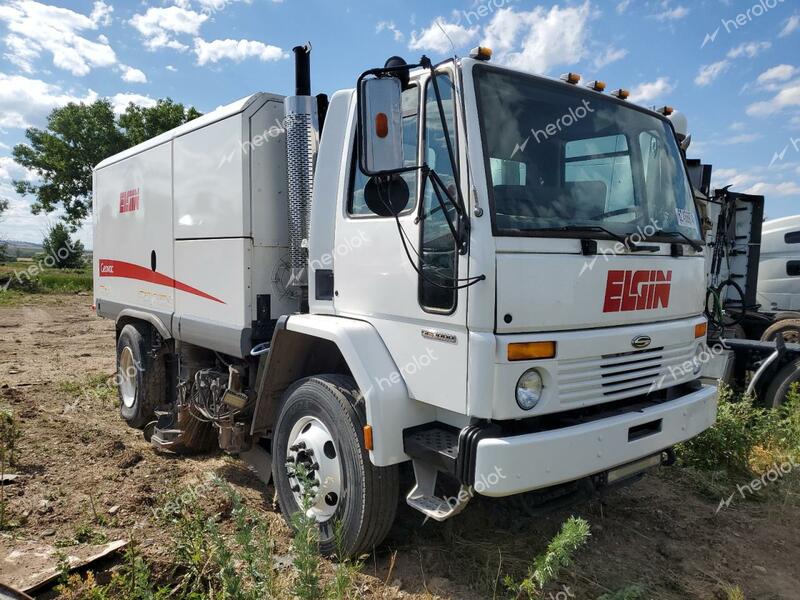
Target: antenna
(449,39)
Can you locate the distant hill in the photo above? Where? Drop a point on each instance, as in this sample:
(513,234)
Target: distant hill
(22,249)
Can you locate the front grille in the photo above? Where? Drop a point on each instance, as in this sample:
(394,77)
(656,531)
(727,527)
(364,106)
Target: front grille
(618,376)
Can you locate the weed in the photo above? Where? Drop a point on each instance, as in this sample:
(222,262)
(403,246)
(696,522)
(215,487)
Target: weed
(9,436)
(746,437)
(559,555)
(629,592)
(305,544)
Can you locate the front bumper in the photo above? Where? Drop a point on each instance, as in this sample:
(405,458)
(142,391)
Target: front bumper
(516,464)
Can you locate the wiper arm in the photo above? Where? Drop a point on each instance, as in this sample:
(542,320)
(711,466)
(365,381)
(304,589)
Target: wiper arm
(696,246)
(620,238)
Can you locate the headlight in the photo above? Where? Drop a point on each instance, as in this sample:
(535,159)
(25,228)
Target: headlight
(529,389)
(701,356)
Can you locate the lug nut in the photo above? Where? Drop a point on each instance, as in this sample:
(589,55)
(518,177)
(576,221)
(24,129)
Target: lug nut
(290,459)
(315,467)
(295,488)
(298,446)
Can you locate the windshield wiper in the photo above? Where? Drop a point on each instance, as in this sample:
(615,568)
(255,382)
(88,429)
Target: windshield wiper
(620,238)
(695,245)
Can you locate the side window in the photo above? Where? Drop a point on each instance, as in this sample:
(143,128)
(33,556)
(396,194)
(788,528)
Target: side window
(356,205)
(793,237)
(599,179)
(438,256)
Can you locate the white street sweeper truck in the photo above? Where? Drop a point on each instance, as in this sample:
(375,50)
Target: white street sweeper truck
(476,272)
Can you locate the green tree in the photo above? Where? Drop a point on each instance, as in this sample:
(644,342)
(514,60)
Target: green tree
(142,123)
(77,137)
(66,253)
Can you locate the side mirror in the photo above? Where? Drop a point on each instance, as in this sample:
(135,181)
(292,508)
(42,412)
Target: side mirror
(380,123)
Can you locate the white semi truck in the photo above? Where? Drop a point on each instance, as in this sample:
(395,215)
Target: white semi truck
(439,268)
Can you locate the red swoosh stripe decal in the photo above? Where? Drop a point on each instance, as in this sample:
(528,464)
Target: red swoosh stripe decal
(126,270)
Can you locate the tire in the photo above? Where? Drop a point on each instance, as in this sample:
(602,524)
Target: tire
(782,383)
(788,328)
(362,498)
(141,378)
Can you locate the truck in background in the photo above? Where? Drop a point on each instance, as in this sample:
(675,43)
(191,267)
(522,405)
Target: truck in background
(435,269)
(751,289)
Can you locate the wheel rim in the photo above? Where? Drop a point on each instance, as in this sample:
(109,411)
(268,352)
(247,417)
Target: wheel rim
(127,377)
(791,336)
(312,445)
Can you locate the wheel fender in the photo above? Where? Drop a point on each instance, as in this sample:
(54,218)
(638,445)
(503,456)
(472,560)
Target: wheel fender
(389,408)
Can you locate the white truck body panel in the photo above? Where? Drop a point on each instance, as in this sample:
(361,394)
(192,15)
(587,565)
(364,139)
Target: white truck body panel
(194,226)
(778,289)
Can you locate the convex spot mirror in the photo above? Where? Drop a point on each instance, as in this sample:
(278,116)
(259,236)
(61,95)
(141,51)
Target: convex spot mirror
(387,196)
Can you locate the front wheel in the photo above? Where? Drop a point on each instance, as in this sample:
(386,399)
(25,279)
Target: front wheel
(321,426)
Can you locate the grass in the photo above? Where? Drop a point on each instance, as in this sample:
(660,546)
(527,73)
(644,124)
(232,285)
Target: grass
(23,278)
(95,387)
(746,438)
(224,553)
(9,438)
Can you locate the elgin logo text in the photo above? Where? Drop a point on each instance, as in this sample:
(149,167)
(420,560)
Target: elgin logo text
(129,201)
(637,290)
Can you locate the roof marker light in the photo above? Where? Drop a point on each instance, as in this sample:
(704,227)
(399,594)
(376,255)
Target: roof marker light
(621,93)
(597,85)
(481,53)
(572,78)
(666,110)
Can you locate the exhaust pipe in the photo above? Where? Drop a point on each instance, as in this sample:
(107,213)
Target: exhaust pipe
(302,143)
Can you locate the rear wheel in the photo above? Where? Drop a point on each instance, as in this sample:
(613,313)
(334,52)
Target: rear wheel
(782,383)
(788,328)
(141,378)
(320,426)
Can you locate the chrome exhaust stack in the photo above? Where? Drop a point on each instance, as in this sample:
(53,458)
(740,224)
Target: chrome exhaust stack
(302,143)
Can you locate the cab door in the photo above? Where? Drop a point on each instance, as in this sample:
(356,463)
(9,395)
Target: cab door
(401,273)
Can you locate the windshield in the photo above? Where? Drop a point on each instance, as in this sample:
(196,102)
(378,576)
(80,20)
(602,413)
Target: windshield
(562,157)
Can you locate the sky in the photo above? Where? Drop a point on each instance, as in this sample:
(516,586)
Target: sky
(732,66)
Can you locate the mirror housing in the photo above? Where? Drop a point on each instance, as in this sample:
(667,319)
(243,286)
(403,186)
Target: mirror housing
(380,125)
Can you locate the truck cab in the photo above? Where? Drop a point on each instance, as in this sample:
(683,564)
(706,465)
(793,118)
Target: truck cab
(501,284)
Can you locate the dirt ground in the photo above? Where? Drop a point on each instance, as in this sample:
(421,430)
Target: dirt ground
(76,454)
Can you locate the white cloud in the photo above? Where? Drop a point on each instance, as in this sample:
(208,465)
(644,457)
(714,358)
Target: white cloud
(34,28)
(609,56)
(439,34)
(708,73)
(749,49)
(390,26)
(171,68)
(132,75)
(787,97)
(791,25)
(672,14)
(779,73)
(120,102)
(784,188)
(623,6)
(539,39)
(649,91)
(26,102)
(236,50)
(159,26)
